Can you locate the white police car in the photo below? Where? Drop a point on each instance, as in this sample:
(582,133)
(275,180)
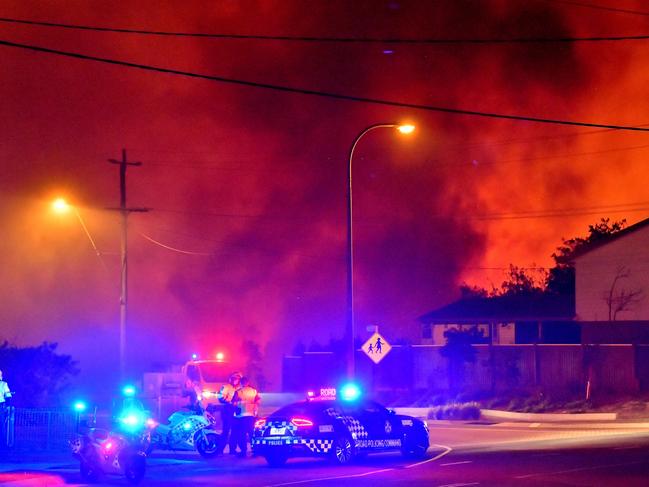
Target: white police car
(338,428)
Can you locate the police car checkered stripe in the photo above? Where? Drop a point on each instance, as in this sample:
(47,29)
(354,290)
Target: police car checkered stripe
(355,427)
(316,446)
(319,446)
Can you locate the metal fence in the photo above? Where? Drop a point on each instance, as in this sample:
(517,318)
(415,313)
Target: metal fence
(39,429)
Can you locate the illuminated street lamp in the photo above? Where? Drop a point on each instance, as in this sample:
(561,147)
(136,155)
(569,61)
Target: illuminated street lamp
(404,129)
(60,206)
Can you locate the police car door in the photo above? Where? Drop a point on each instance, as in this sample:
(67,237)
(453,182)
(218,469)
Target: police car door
(378,423)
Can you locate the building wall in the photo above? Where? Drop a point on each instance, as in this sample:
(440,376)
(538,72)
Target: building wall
(504,333)
(595,273)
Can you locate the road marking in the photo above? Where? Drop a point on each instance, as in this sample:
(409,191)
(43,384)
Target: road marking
(455,463)
(447,450)
(352,476)
(626,447)
(580,469)
(459,485)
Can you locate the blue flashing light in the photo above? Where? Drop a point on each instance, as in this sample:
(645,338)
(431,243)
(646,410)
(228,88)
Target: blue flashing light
(79,406)
(350,392)
(132,420)
(194,356)
(128,390)
(187,425)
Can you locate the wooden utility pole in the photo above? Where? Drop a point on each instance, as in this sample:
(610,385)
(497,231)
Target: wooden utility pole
(123,297)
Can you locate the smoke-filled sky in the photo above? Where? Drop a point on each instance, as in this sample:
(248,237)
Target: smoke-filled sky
(253,181)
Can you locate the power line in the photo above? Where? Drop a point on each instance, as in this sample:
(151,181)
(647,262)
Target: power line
(600,7)
(325,39)
(173,249)
(321,94)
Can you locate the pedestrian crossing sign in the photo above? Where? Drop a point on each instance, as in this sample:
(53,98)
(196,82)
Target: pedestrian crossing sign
(376,348)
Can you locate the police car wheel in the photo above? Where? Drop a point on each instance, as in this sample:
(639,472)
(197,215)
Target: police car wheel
(276,458)
(343,450)
(415,444)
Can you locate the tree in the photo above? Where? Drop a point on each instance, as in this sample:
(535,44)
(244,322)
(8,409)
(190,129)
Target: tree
(459,350)
(521,283)
(561,278)
(619,300)
(38,375)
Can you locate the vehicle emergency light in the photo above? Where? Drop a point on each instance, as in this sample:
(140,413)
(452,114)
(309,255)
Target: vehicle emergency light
(128,390)
(194,356)
(220,357)
(350,392)
(79,406)
(260,423)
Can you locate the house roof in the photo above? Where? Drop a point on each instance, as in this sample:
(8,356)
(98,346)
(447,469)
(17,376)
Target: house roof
(589,247)
(504,309)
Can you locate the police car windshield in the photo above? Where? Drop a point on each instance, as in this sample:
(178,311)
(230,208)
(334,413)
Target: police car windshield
(214,372)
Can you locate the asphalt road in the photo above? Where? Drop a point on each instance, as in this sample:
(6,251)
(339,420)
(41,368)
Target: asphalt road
(462,455)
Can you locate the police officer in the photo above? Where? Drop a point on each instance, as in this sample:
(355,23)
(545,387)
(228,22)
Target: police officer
(226,397)
(247,401)
(5,395)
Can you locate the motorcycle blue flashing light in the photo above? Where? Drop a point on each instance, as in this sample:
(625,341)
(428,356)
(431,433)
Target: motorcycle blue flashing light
(79,406)
(194,356)
(130,420)
(350,392)
(187,425)
(128,390)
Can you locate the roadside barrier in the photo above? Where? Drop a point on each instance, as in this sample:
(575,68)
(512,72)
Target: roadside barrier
(41,429)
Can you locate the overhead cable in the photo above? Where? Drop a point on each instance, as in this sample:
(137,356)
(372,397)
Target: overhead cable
(326,39)
(601,7)
(321,94)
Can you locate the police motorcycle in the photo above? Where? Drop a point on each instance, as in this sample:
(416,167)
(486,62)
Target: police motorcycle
(188,429)
(121,451)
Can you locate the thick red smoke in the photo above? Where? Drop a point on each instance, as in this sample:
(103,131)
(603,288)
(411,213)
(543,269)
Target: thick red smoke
(256,179)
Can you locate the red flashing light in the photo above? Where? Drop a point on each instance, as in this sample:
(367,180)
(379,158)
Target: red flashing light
(151,423)
(301,422)
(108,446)
(260,423)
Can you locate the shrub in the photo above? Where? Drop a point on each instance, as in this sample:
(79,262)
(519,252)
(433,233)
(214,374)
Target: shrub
(455,411)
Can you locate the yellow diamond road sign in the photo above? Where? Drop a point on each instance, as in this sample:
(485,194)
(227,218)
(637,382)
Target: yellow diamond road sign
(376,348)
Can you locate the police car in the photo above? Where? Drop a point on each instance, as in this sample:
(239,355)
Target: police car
(340,428)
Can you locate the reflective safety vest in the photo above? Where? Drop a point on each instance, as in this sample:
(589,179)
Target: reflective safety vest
(248,400)
(226,393)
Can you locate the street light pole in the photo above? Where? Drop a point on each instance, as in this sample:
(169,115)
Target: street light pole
(350,328)
(123,296)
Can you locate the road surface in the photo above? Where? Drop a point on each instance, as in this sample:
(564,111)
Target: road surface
(522,454)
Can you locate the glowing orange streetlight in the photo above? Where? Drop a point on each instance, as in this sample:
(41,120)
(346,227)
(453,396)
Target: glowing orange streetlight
(404,129)
(59,205)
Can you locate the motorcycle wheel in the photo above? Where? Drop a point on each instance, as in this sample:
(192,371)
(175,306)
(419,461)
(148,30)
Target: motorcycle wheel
(207,444)
(88,472)
(134,469)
